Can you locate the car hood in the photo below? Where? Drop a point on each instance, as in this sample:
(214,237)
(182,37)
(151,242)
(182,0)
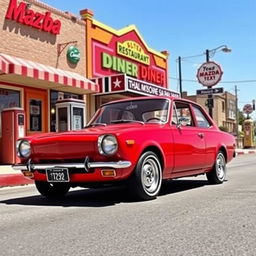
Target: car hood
(73,144)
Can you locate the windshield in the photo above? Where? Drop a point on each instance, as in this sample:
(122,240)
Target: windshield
(143,111)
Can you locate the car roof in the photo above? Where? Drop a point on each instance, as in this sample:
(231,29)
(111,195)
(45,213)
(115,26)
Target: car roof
(150,98)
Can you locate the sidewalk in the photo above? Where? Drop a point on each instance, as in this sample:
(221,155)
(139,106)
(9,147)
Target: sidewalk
(9,177)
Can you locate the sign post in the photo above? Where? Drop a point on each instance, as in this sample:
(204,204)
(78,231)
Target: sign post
(209,74)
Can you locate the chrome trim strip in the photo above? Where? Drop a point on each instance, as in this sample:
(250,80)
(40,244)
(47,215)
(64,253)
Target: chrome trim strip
(31,167)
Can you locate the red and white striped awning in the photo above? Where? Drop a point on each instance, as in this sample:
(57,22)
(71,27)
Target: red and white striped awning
(10,65)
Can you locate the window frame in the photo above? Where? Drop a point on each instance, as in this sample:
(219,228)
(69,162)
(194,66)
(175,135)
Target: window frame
(204,115)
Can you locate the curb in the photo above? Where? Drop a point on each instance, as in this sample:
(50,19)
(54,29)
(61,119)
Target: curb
(245,152)
(7,180)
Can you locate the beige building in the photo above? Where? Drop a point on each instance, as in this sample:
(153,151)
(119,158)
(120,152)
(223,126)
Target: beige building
(224,109)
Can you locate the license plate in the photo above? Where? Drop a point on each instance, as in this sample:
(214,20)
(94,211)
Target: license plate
(57,175)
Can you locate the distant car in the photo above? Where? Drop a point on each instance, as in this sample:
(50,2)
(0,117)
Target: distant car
(139,141)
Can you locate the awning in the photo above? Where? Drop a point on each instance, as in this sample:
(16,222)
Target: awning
(26,72)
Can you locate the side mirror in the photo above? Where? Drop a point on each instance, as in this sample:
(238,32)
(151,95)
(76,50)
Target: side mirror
(183,121)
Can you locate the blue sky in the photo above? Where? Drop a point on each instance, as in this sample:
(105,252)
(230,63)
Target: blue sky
(188,28)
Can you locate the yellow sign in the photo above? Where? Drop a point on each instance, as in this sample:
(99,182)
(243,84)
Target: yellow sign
(132,50)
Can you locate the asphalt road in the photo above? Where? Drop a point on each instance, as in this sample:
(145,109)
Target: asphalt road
(190,217)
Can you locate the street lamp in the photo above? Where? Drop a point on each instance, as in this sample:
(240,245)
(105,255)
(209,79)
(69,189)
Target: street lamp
(208,54)
(211,53)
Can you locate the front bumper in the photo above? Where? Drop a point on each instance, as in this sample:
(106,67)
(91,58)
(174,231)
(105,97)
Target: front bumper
(86,165)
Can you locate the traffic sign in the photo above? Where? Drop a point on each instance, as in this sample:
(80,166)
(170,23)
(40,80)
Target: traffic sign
(210,91)
(248,109)
(209,73)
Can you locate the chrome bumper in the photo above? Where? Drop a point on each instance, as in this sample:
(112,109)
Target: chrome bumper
(86,165)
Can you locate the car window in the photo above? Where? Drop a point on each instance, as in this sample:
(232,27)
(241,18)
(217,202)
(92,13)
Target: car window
(174,115)
(155,116)
(201,118)
(183,111)
(146,110)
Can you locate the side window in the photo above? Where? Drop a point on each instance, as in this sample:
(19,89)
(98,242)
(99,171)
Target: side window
(200,118)
(184,112)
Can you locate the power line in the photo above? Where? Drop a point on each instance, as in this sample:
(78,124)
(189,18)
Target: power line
(224,82)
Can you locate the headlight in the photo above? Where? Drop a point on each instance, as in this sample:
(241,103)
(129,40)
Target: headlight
(107,144)
(23,148)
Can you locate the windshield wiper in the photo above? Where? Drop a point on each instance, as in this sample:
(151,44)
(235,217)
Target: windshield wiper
(126,121)
(95,124)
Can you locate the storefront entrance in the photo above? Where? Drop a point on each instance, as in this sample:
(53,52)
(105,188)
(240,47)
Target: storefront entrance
(36,102)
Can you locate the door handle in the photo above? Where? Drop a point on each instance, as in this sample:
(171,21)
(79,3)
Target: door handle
(201,135)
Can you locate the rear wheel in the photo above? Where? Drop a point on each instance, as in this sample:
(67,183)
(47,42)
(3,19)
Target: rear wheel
(146,180)
(52,190)
(218,173)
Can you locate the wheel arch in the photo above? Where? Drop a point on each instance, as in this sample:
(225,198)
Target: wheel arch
(158,152)
(224,151)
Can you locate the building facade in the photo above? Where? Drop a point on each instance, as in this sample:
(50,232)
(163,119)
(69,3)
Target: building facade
(122,63)
(35,68)
(50,59)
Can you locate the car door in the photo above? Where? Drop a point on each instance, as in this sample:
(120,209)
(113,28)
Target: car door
(189,141)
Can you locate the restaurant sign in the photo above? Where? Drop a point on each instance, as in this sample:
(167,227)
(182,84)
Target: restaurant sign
(126,53)
(132,50)
(42,21)
(123,83)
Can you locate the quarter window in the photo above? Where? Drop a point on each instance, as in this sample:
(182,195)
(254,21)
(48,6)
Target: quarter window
(200,118)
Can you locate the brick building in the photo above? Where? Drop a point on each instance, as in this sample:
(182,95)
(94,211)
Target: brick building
(34,68)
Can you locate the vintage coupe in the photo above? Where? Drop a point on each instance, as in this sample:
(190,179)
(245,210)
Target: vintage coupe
(138,141)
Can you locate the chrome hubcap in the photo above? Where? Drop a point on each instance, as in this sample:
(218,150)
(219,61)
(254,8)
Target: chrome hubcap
(220,167)
(151,175)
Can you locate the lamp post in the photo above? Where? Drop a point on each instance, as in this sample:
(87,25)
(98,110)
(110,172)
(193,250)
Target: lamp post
(225,49)
(180,76)
(208,53)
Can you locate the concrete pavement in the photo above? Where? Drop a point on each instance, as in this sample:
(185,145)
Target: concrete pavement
(10,177)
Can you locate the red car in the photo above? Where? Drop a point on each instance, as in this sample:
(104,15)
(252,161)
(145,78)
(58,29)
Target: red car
(139,141)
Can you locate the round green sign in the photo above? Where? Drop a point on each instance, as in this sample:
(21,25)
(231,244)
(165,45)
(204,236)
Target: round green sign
(73,54)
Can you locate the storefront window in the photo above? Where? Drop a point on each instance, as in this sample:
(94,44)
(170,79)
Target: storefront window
(55,96)
(8,99)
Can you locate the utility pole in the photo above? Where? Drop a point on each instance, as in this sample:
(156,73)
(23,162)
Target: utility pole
(237,114)
(210,98)
(180,76)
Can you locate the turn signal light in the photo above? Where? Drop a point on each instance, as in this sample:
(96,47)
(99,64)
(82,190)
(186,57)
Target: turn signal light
(108,172)
(130,142)
(28,174)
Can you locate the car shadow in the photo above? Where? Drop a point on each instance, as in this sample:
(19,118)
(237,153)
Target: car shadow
(102,197)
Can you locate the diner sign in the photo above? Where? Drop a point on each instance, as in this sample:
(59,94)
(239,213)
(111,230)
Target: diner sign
(123,83)
(132,50)
(42,21)
(125,52)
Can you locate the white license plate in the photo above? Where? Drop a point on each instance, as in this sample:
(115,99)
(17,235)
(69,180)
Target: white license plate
(57,175)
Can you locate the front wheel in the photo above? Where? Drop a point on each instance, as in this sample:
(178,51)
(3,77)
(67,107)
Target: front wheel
(218,173)
(146,181)
(52,190)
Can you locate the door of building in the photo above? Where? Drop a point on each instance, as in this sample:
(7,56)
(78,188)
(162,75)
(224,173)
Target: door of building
(36,102)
